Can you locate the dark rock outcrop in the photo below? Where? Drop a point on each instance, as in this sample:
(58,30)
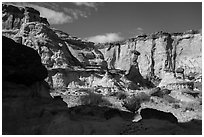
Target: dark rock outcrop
(27,107)
(161,92)
(149,113)
(135,76)
(20,63)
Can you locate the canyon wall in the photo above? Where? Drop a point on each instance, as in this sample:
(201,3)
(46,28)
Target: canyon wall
(58,50)
(159,52)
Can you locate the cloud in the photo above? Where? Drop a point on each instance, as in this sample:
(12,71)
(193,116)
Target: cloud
(54,17)
(108,37)
(76,13)
(58,13)
(88,4)
(139,29)
(136,32)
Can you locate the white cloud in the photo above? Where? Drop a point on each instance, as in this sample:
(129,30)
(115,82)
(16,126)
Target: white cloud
(76,13)
(60,14)
(53,17)
(88,4)
(139,29)
(108,37)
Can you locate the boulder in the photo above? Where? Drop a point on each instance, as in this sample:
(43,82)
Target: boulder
(21,64)
(149,113)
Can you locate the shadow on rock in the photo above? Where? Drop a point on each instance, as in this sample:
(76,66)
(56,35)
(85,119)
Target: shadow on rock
(149,113)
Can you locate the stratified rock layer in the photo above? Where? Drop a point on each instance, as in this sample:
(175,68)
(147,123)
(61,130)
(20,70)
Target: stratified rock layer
(159,52)
(58,50)
(13,17)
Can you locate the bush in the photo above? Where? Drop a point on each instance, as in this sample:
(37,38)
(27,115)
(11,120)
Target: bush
(121,95)
(93,99)
(176,106)
(133,102)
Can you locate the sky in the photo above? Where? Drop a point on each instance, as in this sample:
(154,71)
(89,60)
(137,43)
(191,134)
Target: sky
(113,21)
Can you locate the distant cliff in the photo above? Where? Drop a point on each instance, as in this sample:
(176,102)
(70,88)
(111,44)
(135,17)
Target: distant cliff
(159,52)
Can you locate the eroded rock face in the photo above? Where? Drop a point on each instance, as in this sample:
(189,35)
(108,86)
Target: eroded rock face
(53,50)
(159,52)
(57,49)
(170,82)
(13,17)
(78,73)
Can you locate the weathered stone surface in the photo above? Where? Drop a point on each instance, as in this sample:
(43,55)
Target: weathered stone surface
(13,17)
(21,64)
(135,76)
(57,49)
(171,82)
(159,52)
(52,49)
(28,109)
(78,74)
(183,111)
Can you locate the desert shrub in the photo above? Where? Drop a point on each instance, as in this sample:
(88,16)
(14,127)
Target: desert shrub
(191,76)
(191,106)
(198,85)
(152,81)
(121,95)
(176,106)
(133,103)
(143,97)
(93,99)
(152,100)
(170,99)
(189,109)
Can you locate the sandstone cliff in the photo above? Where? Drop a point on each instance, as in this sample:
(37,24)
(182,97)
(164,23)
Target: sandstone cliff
(13,17)
(99,101)
(21,64)
(58,50)
(159,51)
